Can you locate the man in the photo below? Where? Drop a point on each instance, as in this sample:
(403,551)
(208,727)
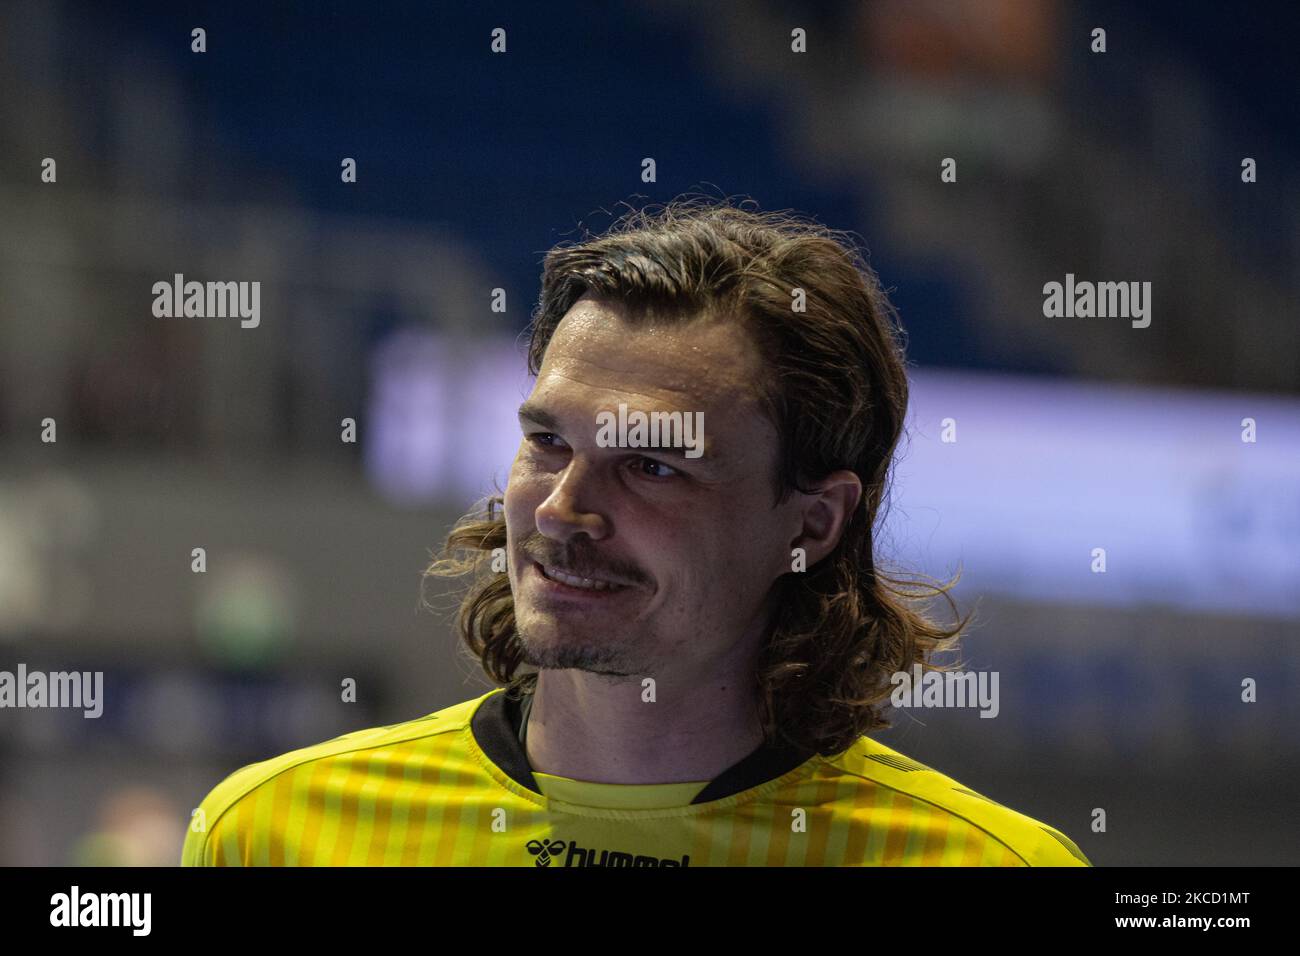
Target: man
(708,635)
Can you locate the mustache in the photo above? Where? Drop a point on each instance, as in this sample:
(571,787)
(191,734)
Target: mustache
(580,558)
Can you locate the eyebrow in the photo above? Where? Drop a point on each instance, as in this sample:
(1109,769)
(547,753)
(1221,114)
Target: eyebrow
(531,411)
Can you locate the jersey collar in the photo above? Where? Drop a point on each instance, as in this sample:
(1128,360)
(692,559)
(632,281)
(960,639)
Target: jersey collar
(496,728)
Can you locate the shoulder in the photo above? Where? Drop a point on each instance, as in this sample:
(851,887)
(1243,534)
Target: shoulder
(244,788)
(1031,841)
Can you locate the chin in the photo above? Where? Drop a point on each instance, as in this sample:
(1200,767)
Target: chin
(546,646)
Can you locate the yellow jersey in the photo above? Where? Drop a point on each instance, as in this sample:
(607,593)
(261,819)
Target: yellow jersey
(455,788)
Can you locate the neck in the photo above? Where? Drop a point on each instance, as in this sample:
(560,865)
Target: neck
(589,727)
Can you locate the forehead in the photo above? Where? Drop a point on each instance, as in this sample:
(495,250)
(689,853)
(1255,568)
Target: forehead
(598,353)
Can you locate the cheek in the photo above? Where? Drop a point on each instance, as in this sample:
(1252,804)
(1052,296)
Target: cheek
(516,470)
(739,559)
(696,562)
(522,492)
(514,506)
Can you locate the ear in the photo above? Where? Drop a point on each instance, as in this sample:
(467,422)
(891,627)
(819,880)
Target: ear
(826,512)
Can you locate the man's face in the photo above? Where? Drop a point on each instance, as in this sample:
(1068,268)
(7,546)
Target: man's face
(694,544)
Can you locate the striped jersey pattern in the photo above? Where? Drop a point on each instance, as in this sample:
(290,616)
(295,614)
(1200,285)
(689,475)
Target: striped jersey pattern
(454,789)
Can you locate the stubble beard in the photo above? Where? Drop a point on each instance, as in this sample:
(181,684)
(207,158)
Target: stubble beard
(606,659)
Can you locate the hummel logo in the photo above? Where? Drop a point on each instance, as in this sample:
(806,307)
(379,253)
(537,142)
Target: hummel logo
(548,850)
(542,849)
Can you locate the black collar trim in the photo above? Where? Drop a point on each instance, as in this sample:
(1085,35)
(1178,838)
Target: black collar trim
(497,722)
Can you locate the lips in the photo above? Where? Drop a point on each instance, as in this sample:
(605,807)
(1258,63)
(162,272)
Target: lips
(579,582)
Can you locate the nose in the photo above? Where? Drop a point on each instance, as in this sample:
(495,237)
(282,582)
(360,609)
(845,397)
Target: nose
(565,512)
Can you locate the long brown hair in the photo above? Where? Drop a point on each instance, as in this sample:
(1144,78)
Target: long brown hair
(836,390)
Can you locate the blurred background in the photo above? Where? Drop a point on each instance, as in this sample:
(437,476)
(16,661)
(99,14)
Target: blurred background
(1119,690)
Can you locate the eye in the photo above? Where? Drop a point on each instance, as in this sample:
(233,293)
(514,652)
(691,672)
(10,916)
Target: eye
(545,439)
(642,464)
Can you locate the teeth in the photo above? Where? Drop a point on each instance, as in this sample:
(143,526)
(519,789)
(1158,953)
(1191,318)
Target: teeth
(591,584)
